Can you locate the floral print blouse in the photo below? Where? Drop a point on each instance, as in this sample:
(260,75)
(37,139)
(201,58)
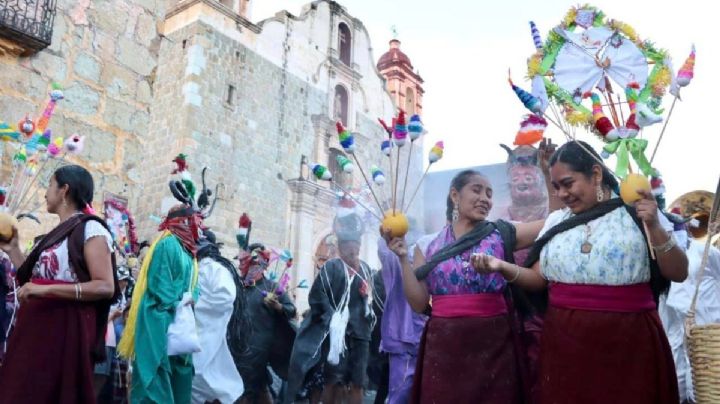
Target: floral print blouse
(54,262)
(456,276)
(618,255)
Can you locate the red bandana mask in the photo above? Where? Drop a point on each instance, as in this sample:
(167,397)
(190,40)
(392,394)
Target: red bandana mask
(186,229)
(253,265)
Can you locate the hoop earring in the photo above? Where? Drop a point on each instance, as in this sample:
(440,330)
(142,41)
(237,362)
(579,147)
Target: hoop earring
(455,214)
(600,193)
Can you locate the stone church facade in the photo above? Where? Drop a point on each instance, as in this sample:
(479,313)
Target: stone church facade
(256,103)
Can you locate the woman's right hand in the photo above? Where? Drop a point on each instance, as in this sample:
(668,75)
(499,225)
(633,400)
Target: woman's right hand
(398,246)
(11,245)
(395,244)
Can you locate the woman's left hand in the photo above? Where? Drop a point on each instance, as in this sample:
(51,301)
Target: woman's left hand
(485,264)
(647,208)
(29,291)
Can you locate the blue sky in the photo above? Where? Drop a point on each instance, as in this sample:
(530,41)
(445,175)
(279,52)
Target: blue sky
(464,48)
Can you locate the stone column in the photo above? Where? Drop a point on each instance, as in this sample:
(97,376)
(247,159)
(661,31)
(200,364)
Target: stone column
(306,198)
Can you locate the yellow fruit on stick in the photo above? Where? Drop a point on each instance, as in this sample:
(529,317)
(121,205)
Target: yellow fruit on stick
(630,185)
(7,223)
(396,222)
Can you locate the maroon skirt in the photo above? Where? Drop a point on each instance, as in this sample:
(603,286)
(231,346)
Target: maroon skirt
(467,360)
(605,356)
(48,357)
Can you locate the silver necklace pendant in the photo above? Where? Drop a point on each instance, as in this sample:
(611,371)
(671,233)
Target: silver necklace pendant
(586,247)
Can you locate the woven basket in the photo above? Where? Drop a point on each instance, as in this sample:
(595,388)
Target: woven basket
(704,351)
(703,341)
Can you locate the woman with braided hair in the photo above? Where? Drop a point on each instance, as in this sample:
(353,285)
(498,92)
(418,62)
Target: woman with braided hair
(67,284)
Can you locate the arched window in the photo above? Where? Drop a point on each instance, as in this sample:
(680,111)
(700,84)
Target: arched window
(409,101)
(338,175)
(340,105)
(344,43)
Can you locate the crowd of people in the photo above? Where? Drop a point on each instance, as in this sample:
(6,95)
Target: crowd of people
(556,304)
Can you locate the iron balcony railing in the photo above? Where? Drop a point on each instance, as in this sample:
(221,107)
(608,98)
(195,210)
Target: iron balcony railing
(29,22)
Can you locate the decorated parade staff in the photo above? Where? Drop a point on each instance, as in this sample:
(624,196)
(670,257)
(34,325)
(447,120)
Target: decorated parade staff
(166,286)
(220,304)
(271,332)
(337,333)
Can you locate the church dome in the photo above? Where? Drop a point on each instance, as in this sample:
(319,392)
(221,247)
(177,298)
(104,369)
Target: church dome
(393,57)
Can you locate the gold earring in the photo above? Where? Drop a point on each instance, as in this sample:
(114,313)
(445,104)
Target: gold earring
(600,193)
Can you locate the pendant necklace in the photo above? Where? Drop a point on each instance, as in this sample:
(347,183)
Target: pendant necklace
(586,246)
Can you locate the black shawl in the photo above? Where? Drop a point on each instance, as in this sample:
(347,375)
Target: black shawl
(467,241)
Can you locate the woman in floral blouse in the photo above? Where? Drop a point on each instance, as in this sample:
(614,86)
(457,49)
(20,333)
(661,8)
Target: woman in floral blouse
(602,339)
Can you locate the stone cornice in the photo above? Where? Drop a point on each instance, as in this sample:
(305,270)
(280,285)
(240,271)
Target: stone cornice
(399,70)
(345,70)
(217,6)
(302,189)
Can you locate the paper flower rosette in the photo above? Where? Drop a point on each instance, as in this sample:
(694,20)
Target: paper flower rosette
(587,54)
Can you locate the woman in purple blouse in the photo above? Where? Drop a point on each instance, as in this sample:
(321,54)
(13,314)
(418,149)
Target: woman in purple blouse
(468,353)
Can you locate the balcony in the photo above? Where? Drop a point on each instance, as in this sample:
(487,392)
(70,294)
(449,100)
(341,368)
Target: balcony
(28,22)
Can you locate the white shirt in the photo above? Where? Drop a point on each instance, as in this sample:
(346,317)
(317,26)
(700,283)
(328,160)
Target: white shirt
(216,376)
(675,307)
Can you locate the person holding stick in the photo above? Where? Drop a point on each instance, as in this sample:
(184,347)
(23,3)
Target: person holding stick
(472,328)
(602,340)
(271,332)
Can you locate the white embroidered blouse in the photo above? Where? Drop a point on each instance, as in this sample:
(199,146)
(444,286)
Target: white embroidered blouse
(54,262)
(618,255)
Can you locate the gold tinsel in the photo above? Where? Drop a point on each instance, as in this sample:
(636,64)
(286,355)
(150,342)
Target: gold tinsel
(662,81)
(577,118)
(570,17)
(625,29)
(533,64)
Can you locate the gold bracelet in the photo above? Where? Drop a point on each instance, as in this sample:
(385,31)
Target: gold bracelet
(517,274)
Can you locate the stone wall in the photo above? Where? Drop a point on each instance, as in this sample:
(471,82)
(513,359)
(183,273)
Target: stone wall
(104,53)
(252,145)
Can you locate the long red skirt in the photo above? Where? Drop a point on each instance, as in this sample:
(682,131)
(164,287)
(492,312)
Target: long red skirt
(48,357)
(467,360)
(602,357)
